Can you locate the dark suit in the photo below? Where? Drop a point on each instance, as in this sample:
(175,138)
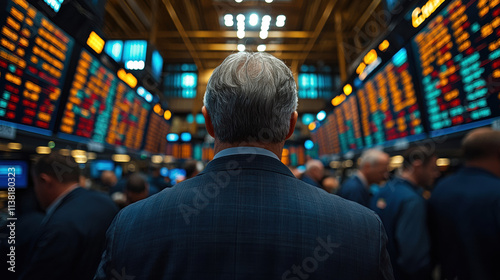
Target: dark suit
(310,181)
(465,220)
(71,241)
(245,217)
(353,189)
(403,211)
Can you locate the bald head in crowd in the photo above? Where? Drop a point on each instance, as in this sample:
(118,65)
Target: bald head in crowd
(315,170)
(373,164)
(481,148)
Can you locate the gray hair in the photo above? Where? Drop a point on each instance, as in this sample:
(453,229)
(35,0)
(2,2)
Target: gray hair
(250,97)
(371,157)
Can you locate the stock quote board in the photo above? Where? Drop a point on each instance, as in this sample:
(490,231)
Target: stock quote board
(102,108)
(459,64)
(388,104)
(156,136)
(34,56)
(348,125)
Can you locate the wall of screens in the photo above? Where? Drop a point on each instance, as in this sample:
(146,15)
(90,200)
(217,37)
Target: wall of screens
(104,109)
(452,65)
(459,59)
(34,57)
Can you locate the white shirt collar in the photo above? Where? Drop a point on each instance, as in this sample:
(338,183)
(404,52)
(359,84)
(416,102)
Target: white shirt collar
(245,150)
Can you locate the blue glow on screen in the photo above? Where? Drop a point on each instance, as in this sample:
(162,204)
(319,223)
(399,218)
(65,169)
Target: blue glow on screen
(172,137)
(308,144)
(19,173)
(186,136)
(134,54)
(54,4)
(114,48)
(307,119)
(157,64)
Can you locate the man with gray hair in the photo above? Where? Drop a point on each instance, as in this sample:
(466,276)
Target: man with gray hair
(314,173)
(465,211)
(245,216)
(373,167)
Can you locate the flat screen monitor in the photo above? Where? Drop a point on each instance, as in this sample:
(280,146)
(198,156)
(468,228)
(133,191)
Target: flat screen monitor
(13,173)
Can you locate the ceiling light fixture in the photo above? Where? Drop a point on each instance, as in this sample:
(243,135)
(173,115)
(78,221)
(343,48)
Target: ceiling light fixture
(254,19)
(240,34)
(261,48)
(241,47)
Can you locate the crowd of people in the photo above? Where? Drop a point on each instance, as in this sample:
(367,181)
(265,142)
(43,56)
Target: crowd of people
(245,215)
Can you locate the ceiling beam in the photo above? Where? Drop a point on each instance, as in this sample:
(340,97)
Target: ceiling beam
(192,14)
(140,13)
(214,34)
(234,47)
(366,15)
(110,9)
(183,34)
(317,31)
(206,55)
(132,16)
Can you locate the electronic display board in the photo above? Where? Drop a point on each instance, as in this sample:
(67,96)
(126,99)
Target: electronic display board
(388,104)
(348,125)
(320,139)
(34,56)
(103,108)
(156,136)
(459,64)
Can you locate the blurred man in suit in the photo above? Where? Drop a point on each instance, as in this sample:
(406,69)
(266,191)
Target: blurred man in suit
(72,235)
(245,216)
(465,212)
(373,167)
(136,188)
(315,171)
(403,211)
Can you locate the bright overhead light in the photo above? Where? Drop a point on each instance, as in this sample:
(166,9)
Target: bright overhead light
(238,1)
(43,150)
(228,17)
(266,18)
(321,115)
(240,34)
(254,19)
(241,47)
(261,48)
(280,21)
(269,1)
(228,23)
(263,34)
(241,25)
(281,18)
(240,17)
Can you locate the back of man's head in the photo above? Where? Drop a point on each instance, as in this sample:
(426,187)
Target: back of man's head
(372,157)
(420,154)
(63,169)
(481,144)
(108,178)
(250,97)
(315,169)
(136,188)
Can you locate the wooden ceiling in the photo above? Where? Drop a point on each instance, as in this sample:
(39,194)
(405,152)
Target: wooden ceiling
(317,32)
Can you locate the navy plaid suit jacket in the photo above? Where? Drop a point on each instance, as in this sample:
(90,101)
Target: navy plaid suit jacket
(245,217)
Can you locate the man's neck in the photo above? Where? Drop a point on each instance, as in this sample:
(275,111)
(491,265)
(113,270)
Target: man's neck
(275,148)
(409,176)
(64,190)
(488,165)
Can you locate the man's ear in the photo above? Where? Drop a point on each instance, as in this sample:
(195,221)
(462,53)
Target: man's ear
(293,122)
(208,121)
(45,179)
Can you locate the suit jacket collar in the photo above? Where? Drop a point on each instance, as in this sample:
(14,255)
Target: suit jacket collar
(247,161)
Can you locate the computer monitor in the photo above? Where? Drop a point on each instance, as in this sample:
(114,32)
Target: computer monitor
(13,173)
